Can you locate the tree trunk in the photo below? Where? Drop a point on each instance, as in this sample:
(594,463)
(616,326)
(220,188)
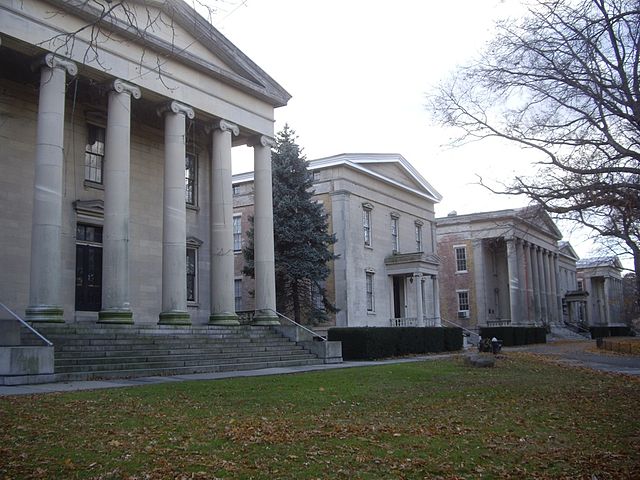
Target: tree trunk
(295,291)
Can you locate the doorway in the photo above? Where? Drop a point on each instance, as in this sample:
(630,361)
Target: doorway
(398,297)
(88,268)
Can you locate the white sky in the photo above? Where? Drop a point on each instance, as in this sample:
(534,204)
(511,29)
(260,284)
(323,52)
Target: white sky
(358,71)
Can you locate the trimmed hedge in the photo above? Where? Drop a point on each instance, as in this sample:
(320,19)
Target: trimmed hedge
(601,332)
(513,336)
(369,343)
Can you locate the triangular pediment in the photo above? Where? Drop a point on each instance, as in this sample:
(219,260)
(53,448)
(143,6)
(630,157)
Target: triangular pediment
(394,171)
(537,217)
(172,28)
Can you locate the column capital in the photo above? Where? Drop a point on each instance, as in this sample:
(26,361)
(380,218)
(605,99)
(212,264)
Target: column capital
(55,61)
(120,86)
(176,107)
(262,141)
(225,126)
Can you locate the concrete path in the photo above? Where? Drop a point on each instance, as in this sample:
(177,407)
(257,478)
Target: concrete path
(584,353)
(133,382)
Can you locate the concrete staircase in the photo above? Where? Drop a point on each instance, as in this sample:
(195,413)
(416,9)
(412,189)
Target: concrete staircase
(85,352)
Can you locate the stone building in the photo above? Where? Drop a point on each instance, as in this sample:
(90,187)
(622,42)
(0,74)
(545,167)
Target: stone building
(116,193)
(600,278)
(506,267)
(382,212)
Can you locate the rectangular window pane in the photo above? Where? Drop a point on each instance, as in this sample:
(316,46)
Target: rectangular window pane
(463,301)
(418,238)
(191,274)
(190,179)
(394,235)
(461,259)
(369,290)
(237,233)
(94,154)
(366,225)
(237,288)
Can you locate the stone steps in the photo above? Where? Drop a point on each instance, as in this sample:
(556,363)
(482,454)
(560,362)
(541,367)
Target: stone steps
(94,352)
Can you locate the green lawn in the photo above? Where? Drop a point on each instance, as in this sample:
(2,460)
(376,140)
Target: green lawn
(437,419)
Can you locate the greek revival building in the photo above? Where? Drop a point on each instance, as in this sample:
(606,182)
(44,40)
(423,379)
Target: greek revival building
(116,189)
(506,267)
(382,213)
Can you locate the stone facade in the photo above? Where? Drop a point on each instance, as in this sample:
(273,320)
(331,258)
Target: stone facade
(386,275)
(504,268)
(601,279)
(116,194)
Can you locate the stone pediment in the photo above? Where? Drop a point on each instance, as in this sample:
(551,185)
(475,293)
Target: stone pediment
(172,28)
(537,217)
(395,171)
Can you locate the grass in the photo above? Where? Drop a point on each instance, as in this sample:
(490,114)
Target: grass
(436,419)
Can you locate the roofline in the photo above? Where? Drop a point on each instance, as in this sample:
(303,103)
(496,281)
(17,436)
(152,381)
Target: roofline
(265,87)
(511,213)
(353,160)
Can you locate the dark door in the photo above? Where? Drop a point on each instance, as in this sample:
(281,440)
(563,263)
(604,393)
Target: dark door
(398,297)
(88,268)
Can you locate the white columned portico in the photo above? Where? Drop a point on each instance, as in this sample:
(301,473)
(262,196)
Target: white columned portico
(514,284)
(264,263)
(417,280)
(116,307)
(222,259)
(45,302)
(174,230)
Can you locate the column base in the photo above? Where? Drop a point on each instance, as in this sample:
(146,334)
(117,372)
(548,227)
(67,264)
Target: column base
(265,317)
(50,314)
(116,316)
(224,319)
(174,318)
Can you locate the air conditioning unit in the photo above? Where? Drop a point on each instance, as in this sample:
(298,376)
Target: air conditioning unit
(463,314)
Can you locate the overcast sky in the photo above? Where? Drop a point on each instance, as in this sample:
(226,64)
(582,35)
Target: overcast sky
(358,72)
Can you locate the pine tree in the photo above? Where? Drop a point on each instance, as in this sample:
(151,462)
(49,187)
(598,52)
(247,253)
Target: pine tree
(302,242)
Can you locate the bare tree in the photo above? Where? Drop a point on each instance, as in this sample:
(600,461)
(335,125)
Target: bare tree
(564,80)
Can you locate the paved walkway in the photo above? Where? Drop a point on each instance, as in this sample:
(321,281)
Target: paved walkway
(583,353)
(571,352)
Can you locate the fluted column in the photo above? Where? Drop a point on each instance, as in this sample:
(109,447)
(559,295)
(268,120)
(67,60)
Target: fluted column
(531,314)
(45,302)
(514,287)
(417,280)
(547,279)
(116,307)
(556,287)
(536,283)
(174,229)
(436,301)
(264,263)
(222,261)
(543,286)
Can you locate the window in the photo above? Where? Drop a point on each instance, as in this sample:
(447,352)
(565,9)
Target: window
(237,233)
(237,289)
(315,176)
(94,154)
(88,268)
(236,190)
(580,285)
(463,303)
(418,237)
(461,258)
(190,166)
(395,242)
(366,225)
(369,289)
(192,269)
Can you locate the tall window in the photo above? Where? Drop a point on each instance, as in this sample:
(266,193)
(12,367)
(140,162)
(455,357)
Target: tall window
(94,154)
(369,289)
(366,225)
(237,233)
(463,303)
(461,258)
(418,237)
(192,270)
(190,167)
(237,289)
(395,241)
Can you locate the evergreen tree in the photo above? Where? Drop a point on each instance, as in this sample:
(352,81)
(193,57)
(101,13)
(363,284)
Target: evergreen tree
(302,243)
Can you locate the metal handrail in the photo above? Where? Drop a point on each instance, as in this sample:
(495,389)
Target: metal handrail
(298,325)
(470,332)
(26,324)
